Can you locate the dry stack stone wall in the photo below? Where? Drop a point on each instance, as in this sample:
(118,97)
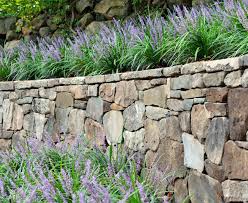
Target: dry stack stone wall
(192,117)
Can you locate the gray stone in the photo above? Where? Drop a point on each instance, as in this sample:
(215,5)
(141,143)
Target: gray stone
(180,190)
(79,91)
(64,100)
(170,128)
(126,93)
(217,135)
(28,123)
(134,116)
(197,80)
(12,44)
(144,74)
(134,140)
(199,121)
(242,144)
(47,93)
(86,20)
(92,91)
(244,79)
(214,171)
(152,135)
(199,100)
(62,118)
(181,82)
(94,108)
(18,139)
(44,31)
(184,120)
(39,120)
(6,134)
(158,81)
(235,191)
(26,108)
(233,79)
(175,94)
(107,91)
(156,96)
(22,84)
(28,93)
(203,188)
(80,104)
(44,106)
(81,5)
(17,120)
(143,84)
(180,105)
(213,79)
(193,152)
(7,85)
(113,125)
(39,83)
(5,144)
(76,122)
(156,113)
(172,71)
(150,159)
(195,67)
(8,109)
(25,100)
(193,93)
(112,77)
(94,79)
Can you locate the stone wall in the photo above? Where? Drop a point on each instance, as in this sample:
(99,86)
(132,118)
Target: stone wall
(191,118)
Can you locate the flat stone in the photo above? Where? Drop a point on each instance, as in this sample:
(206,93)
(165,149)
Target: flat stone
(199,100)
(134,116)
(92,91)
(94,108)
(192,93)
(134,140)
(218,94)
(193,152)
(95,79)
(217,135)
(233,79)
(116,107)
(156,113)
(8,109)
(113,125)
(79,91)
(94,132)
(215,109)
(235,191)
(170,128)
(158,81)
(180,105)
(76,122)
(39,120)
(238,113)
(52,82)
(18,139)
(25,100)
(175,94)
(213,79)
(143,84)
(150,159)
(153,73)
(107,92)
(27,108)
(7,85)
(181,82)
(242,144)
(5,144)
(113,77)
(39,83)
(28,93)
(235,161)
(195,67)
(156,96)
(62,119)
(47,93)
(28,123)
(13,96)
(44,106)
(184,120)
(244,79)
(203,188)
(214,171)
(64,100)
(64,89)
(180,190)
(152,135)
(17,120)
(126,93)
(172,71)
(197,80)
(6,134)
(22,84)
(79,104)
(199,121)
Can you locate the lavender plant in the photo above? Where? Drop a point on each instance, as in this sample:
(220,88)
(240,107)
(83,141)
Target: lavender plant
(185,35)
(78,173)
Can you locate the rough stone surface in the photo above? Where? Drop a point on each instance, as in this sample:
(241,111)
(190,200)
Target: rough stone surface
(156,96)
(8,109)
(238,113)
(152,134)
(47,93)
(193,93)
(17,120)
(76,122)
(95,132)
(79,91)
(244,79)
(5,144)
(217,135)
(156,113)
(193,152)
(134,116)
(181,82)
(213,79)
(235,161)
(143,84)
(94,108)
(113,125)
(62,118)
(134,140)
(184,120)
(214,171)
(64,100)
(43,106)
(215,109)
(218,94)
(172,71)
(180,190)
(116,107)
(235,191)
(126,93)
(92,90)
(203,188)
(242,144)
(170,128)
(233,79)
(199,121)
(197,80)
(180,105)
(107,92)
(39,120)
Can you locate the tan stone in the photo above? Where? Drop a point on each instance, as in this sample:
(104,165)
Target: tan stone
(150,158)
(116,107)
(171,71)
(79,91)
(126,93)
(7,85)
(92,91)
(107,91)
(76,122)
(5,144)
(47,93)
(144,74)
(180,190)
(192,93)
(94,79)
(143,84)
(17,120)
(8,109)
(156,113)
(235,161)
(134,140)
(197,80)
(233,79)
(22,84)
(181,82)
(213,79)
(64,100)
(156,96)
(152,134)
(218,94)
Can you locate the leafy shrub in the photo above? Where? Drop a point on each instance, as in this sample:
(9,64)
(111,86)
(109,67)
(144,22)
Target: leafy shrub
(75,173)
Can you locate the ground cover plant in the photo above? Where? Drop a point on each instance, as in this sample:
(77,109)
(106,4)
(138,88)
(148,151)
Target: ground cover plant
(186,35)
(76,173)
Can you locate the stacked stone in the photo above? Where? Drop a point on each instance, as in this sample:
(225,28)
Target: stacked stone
(190,120)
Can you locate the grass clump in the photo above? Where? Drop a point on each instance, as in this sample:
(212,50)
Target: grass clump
(185,35)
(78,173)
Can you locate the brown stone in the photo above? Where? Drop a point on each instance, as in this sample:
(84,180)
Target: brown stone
(199,121)
(215,109)
(126,93)
(151,134)
(94,132)
(235,161)
(5,144)
(143,84)
(218,94)
(116,107)
(238,113)
(215,171)
(79,91)
(107,92)
(180,190)
(150,158)
(64,100)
